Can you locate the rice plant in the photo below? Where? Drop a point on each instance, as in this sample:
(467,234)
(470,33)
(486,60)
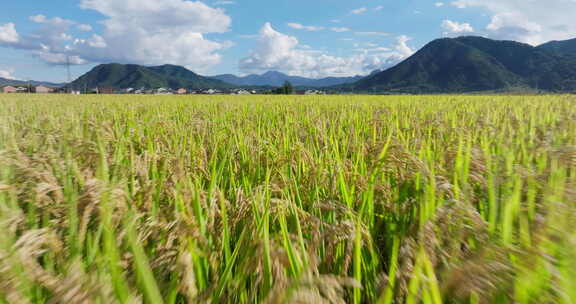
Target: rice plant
(267,199)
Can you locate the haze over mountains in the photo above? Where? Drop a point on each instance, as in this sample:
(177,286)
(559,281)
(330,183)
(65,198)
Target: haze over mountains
(5,81)
(273,78)
(448,65)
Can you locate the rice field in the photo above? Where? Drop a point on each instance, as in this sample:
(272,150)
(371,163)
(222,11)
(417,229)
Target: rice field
(267,199)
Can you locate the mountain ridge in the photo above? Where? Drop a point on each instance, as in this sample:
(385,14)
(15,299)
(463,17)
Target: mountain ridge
(471,63)
(122,76)
(445,65)
(275,78)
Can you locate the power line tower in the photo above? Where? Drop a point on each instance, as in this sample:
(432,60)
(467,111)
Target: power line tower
(69,74)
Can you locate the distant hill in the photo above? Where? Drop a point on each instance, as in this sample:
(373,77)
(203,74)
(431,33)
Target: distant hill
(566,47)
(468,64)
(122,76)
(276,79)
(448,65)
(5,82)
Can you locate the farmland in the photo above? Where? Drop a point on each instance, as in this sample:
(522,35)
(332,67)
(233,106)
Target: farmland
(262,199)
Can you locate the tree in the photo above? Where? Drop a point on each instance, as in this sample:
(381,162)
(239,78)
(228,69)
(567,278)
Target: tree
(288,88)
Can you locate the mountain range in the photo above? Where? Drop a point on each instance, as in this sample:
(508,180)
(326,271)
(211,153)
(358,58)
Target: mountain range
(14,82)
(276,79)
(121,76)
(447,65)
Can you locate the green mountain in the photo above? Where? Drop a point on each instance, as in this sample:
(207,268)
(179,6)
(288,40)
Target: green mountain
(470,64)
(122,76)
(566,47)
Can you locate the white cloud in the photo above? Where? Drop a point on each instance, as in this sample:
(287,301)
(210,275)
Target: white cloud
(56,21)
(340,29)
(359,11)
(7,73)
(379,8)
(59,58)
(309,28)
(84,27)
(49,42)
(280,52)
(459,4)
(439,4)
(532,21)
(135,31)
(453,27)
(8,33)
(402,48)
(156,32)
(97,42)
(159,16)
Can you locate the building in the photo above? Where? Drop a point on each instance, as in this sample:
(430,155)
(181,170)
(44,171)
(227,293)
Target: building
(105,91)
(314,92)
(181,91)
(42,89)
(9,89)
(163,91)
(241,92)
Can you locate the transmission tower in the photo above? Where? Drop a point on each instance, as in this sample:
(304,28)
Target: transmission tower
(69,75)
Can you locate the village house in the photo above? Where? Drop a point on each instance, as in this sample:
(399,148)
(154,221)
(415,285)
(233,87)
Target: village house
(163,91)
(105,91)
(314,92)
(9,89)
(42,89)
(22,90)
(181,91)
(241,92)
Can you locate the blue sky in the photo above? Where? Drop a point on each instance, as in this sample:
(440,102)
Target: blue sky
(313,38)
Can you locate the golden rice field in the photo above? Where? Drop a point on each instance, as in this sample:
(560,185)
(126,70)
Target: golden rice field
(267,199)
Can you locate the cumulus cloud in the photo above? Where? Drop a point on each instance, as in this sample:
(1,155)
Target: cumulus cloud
(310,28)
(439,4)
(8,33)
(156,32)
(7,73)
(453,27)
(281,52)
(532,22)
(135,31)
(48,40)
